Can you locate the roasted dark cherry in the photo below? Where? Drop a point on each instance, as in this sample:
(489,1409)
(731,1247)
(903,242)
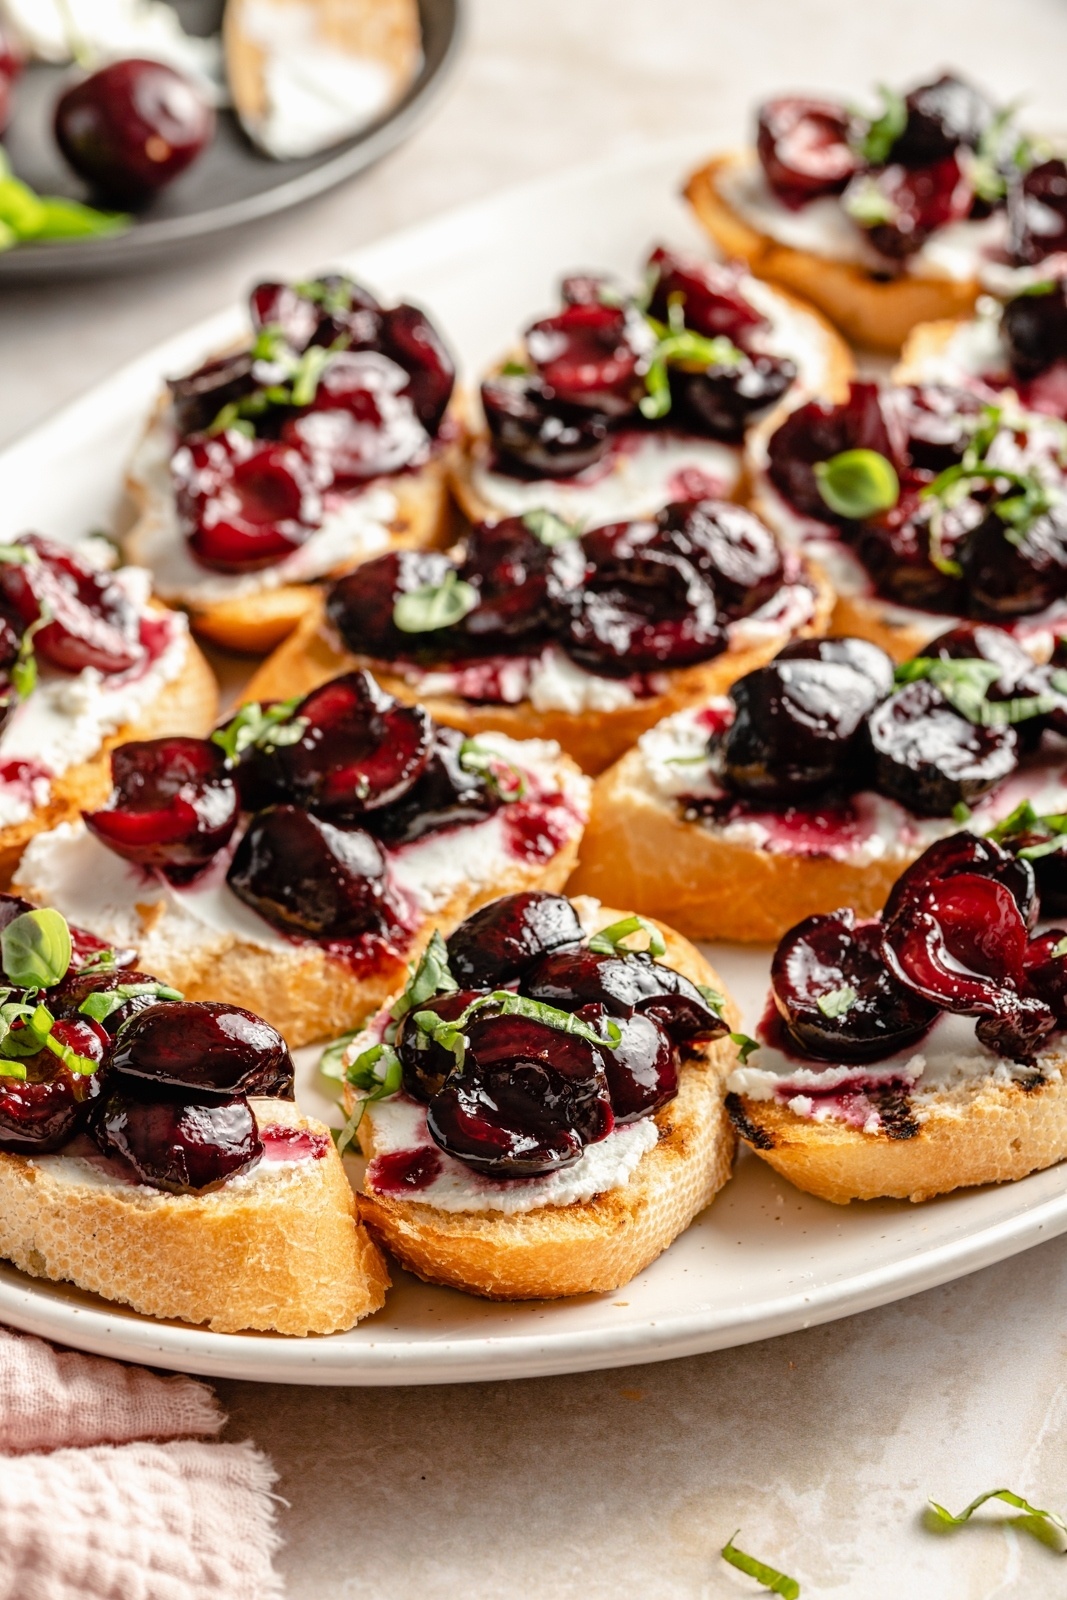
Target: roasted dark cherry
(1037,213)
(821,429)
(962,944)
(281,306)
(942,115)
(797,729)
(445,796)
(198,398)
(860,654)
(1034,328)
(897,548)
(308,878)
(44,1110)
(804,148)
(410,338)
(1012,574)
(361,749)
(1045,972)
(349,316)
(929,758)
(243,503)
(939,421)
(641,1069)
(828,956)
(723,400)
(362,422)
(500,942)
(427,1064)
(527,1100)
(624,982)
(710,294)
(537,434)
(589,355)
(728,545)
(174,804)
(921,200)
(965,852)
(509,566)
(132,128)
(360,605)
(93,622)
(66,999)
(214,1049)
(641,606)
(180,1144)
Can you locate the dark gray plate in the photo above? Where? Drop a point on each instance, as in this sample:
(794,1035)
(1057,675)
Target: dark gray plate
(232,184)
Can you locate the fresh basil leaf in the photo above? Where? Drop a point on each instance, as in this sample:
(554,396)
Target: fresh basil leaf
(81,1066)
(99,961)
(612,939)
(883,130)
(102,1002)
(377,1074)
(961,812)
(837,1002)
(1044,1525)
(332,1060)
(449,1035)
(505,779)
(712,998)
(679,346)
(867,203)
(12,1069)
(549,528)
(1059,949)
(26,1029)
(60,218)
(965,684)
(430,978)
(772,1580)
(439,605)
(745,1046)
(35,948)
(1024,823)
(267,727)
(514,369)
(23,555)
(857,484)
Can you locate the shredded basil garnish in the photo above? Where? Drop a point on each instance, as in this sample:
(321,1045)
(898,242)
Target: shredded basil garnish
(266,727)
(438,605)
(745,1046)
(773,1580)
(883,131)
(377,1074)
(449,1035)
(837,1002)
(504,778)
(430,978)
(857,484)
(613,938)
(868,204)
(1024,821)
(965,684)
(549,528)
(1044,1525)
(678,346)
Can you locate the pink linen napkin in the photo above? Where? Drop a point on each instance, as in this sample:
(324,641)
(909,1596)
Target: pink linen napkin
(108,1490)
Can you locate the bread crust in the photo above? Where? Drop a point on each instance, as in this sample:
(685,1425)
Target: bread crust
(638,847)
(304,992)
(286,1254)
(925,344)
(879,315)
(187,705)
(594,739)
(985,1132)
(594,1246)
(255,623)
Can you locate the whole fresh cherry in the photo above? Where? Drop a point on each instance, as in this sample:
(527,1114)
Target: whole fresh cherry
(132,128)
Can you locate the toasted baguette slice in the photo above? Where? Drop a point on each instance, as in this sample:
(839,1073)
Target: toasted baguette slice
(278,1250)
(301,989)
(981,1132)
(638,847)
(379,40)
(255,622)
(188,704)
(869,311)
(925,353)
(593,1246)
(594,739)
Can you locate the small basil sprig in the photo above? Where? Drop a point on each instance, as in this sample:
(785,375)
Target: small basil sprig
(774,1581)
(745,1046)
(30,218)
(102,1002)
(1044,1525)
(299,375)
(549,528)
(506,780)
(431,977)
(867,203)
(678,346)
(35,949)
(1024,822)
(857,484)
(266,726)
(334,298)
(882,131)
(99,961)
(837,1002)
(26,1029)
(437,605)
(613,938)
(505,1003)
(376,1074)
(965,684)
(1002,151)
(1019,510)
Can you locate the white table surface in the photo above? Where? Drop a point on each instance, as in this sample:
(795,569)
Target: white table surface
(820,1446)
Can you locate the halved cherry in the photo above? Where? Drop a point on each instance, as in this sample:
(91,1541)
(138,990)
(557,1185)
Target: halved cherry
(215,1049)
(868,659)
(45,1109)
(498,943)
(242,503)
(1045,969)
(1037,213)
(804,148)
(589,355)
(729,546)
(838,999)
(965,853)
(197,398)
(918,201)
(174,804)
(1011,572)
(538,434)
(710,294)
(930,758)
(68,997)
(308,878)
(447,795)
(960,943)
(282,307)
(941,116)
(508,565)
(425,1063)
(627,981)
(360,605)
(976,641)
(724,399)
(410,338)
(92,620)
(361,423)
(641,1068)
(360,749)
(1034,329)
(182,1145)
(821,429)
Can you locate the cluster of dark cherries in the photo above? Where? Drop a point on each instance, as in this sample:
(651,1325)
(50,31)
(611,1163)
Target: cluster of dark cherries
(334,391)
(529,1096)
(938,155)
(161,1084)
(965,552)
(956,935)
(1033,327)
(582,379)
(825,720)
(625,599)
(323,786)
(90,619)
